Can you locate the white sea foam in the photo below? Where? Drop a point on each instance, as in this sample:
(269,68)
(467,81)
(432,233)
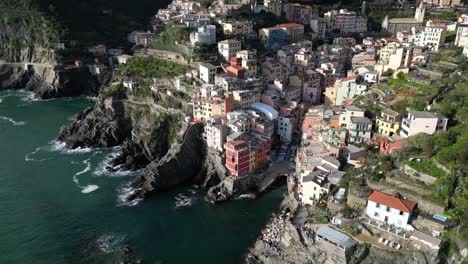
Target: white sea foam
(58,146)
(101,169)
(245,196)
(29,156)
(109,243)
(124,192)
(27,96)
(12,121)
(185,199)
(90,188)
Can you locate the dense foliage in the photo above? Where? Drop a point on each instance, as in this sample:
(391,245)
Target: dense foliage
(150,67)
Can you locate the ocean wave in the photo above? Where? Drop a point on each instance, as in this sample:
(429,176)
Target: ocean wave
(29,156)
(124,192)
(101,169)
(86,169)
(245,196)
(88,188)
(58,146)
(12,121)
(185,199)
(27,96)
(110,243)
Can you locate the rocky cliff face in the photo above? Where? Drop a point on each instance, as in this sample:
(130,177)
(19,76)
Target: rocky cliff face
(181,164)
(106,125)
(28,59)
(168,151)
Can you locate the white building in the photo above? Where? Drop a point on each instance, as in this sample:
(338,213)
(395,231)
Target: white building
(346,21)
(461,39)
(422,122)
(314,186)
(123,59)
(347,113)
(215,135)
(204,35)
(274,6)
(318,25)
(207,72)
(249,60)
(432,37)
(228,48)
(285,128)
(390,209)
(360,130)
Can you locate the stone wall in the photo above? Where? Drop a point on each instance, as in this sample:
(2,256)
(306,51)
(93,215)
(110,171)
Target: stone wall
(168,55)
(424,224)
(400,183)
(356,202)
(418,175)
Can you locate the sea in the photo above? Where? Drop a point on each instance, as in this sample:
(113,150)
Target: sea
(61,206)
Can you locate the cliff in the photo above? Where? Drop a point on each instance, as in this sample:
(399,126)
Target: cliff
(166,149)
(28,56)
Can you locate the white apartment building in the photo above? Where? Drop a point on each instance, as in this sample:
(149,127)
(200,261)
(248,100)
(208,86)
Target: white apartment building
(285,128)
(274,6)
(461,39)
(204,35)
(346,21)
(215,136)
(207,72)
(422,122)
(360,130)
(432,37)
(228,48)
(347,113)
(318,25)
(314,186)
(238,28)
(390,209)
(249,60)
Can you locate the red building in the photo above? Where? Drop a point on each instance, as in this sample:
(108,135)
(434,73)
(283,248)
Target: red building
(235,69)
(245,155)
(238,157)
(390,145)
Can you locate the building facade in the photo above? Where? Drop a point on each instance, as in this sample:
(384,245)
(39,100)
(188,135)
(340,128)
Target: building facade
(390,209)
(388,123)
(422,122)
(228,48)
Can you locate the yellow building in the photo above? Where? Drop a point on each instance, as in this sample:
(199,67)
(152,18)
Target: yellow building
(245,98)
(388,123)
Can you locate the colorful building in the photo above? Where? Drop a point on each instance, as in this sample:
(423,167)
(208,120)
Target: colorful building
(247,153)
(388,123)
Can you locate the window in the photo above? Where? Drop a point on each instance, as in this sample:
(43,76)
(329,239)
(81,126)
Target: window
(377,205)
(388,208)
(401,212)
(376,214)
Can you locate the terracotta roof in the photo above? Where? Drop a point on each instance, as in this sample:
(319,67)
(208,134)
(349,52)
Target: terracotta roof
(289,25)
(393,201)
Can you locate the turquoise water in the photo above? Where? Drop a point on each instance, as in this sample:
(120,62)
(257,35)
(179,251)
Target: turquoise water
(58,207)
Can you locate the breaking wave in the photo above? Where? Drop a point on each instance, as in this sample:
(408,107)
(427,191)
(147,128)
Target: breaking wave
(61,147)
(87,188)
(12,121)
(124,193)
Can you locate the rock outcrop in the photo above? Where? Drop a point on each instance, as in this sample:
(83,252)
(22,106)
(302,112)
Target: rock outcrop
(106,125)
(29,59)
(181,164)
